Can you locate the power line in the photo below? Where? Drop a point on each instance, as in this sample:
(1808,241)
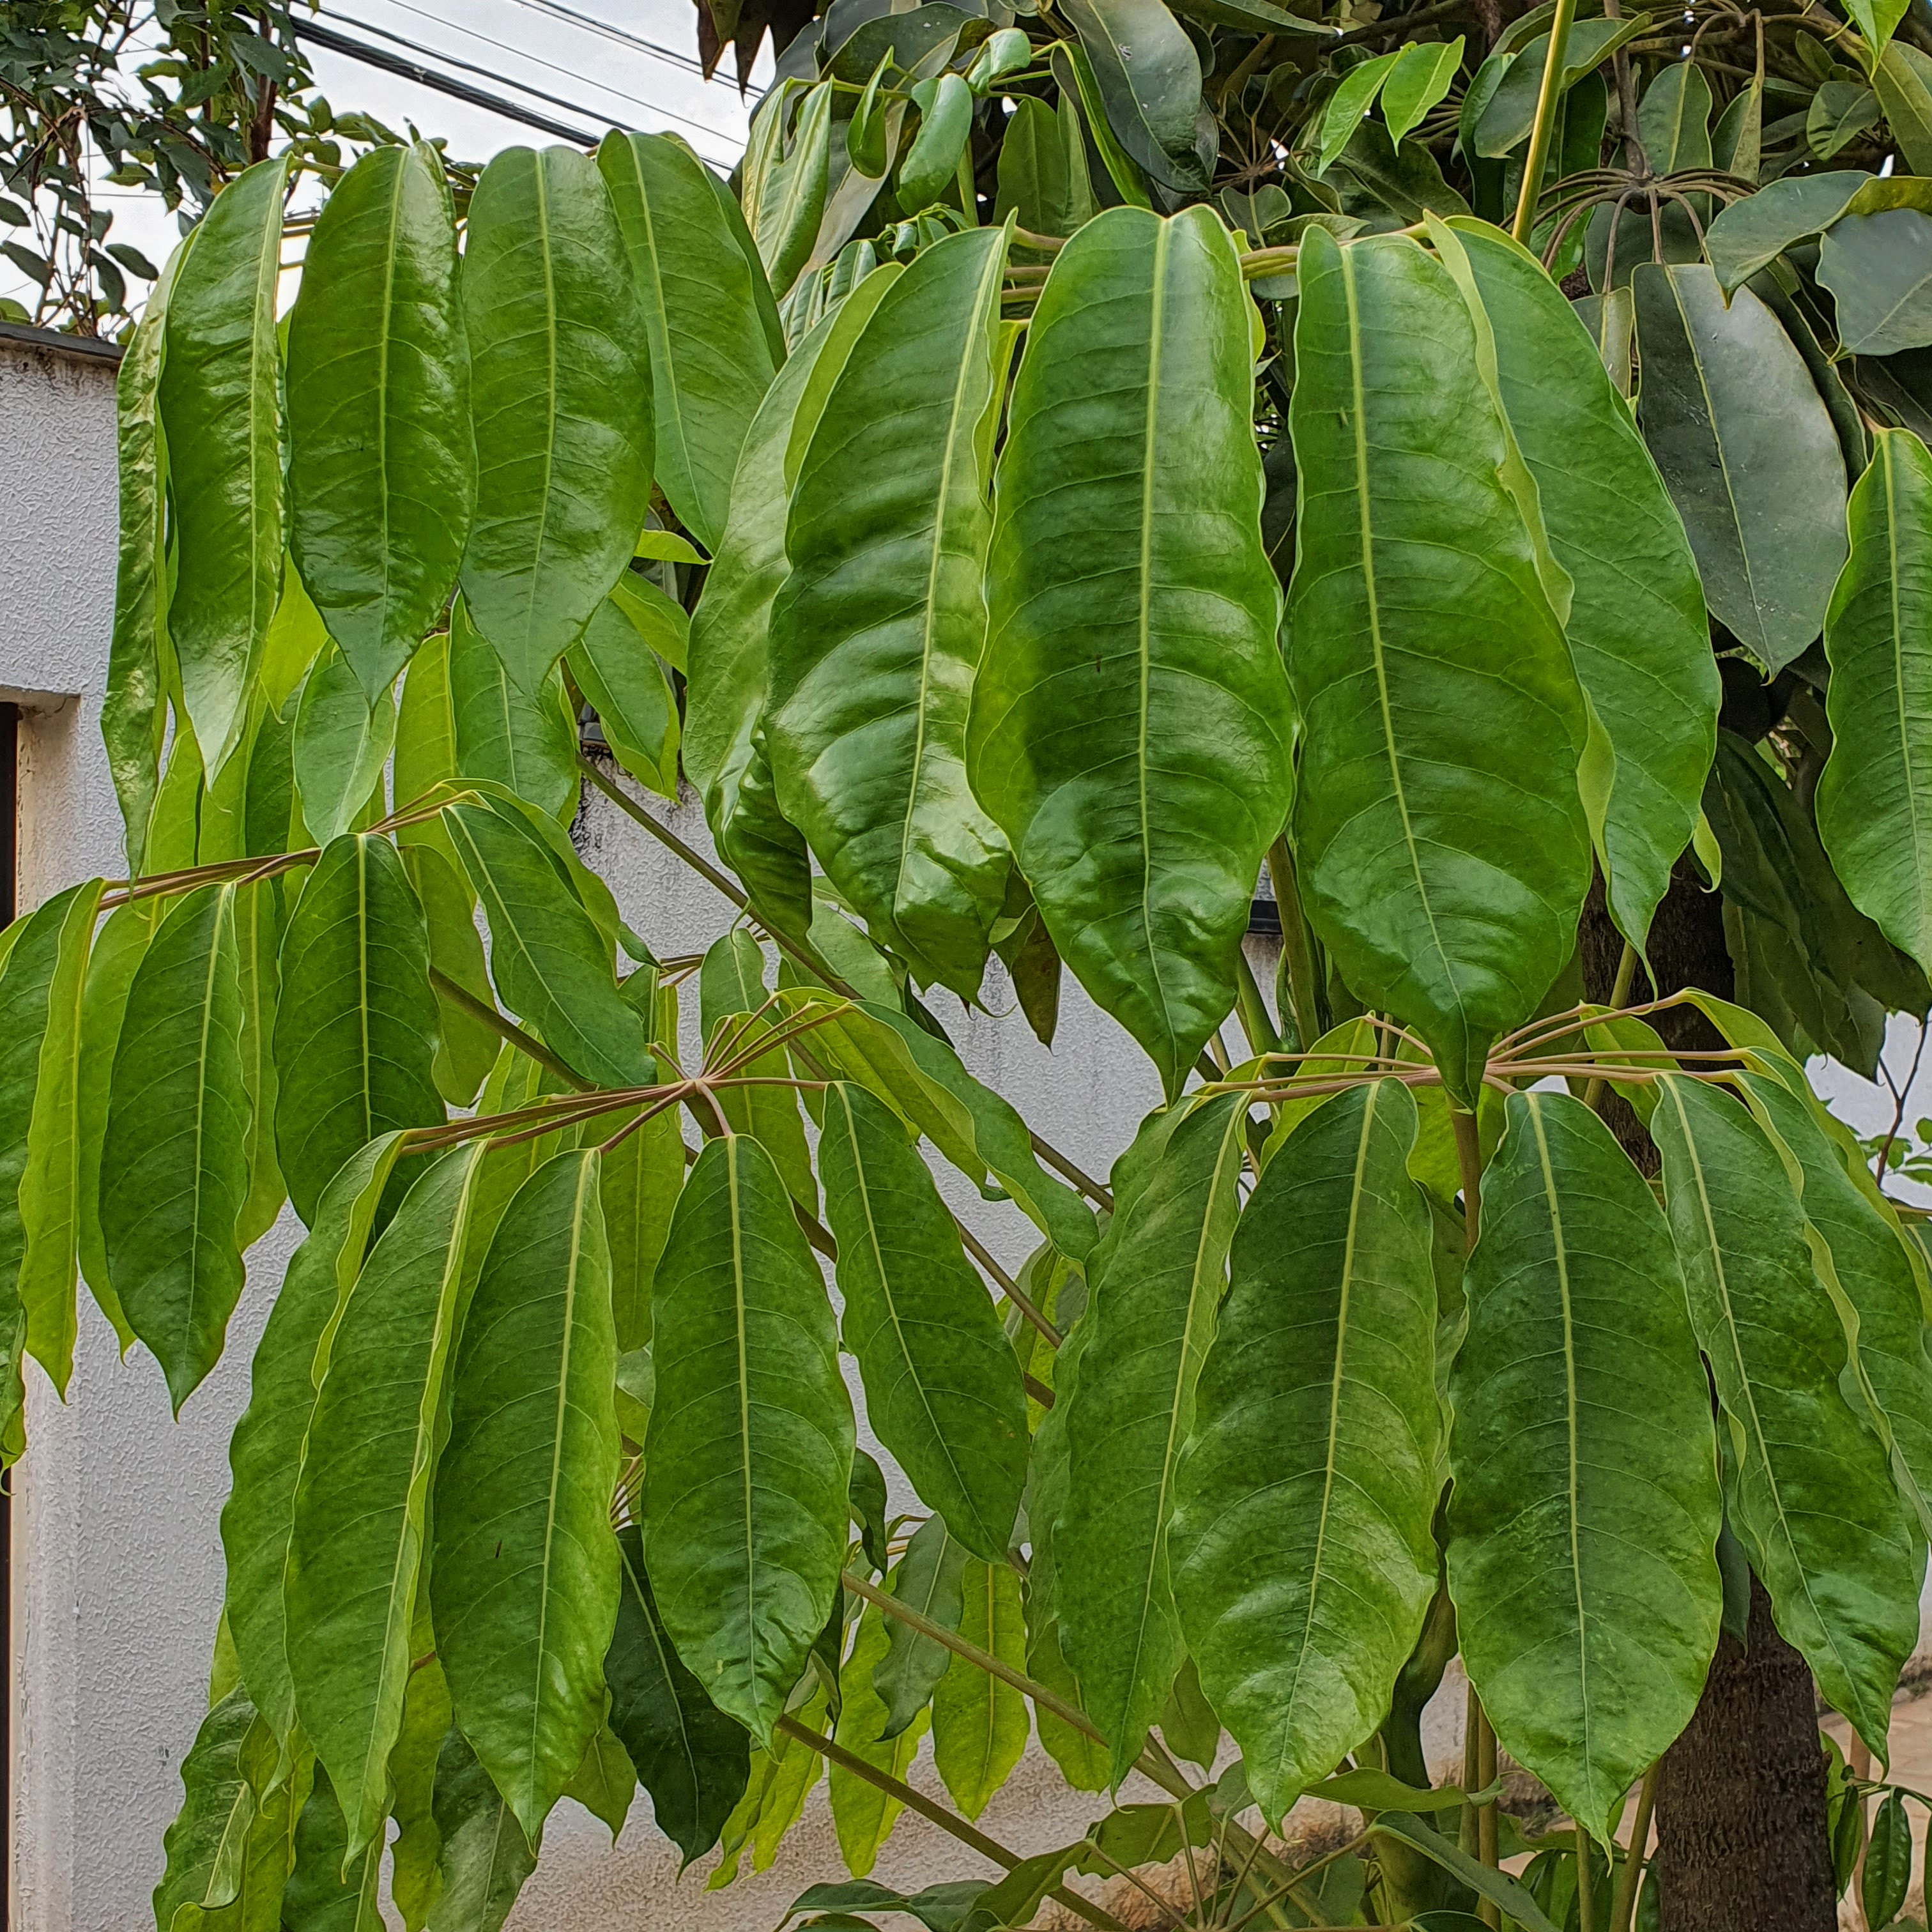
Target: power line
(521,53)
(590,24)
(441,83)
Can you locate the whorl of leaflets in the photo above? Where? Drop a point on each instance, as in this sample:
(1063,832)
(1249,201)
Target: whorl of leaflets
(943,578)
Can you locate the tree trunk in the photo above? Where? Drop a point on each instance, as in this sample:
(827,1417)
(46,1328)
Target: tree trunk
(1741,1840)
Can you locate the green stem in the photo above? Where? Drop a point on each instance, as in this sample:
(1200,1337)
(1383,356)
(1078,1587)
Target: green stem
(482,1009)
(1302,991)
(1593,1092)
(1547,102)
(1623,1906)
(1586,1906)
(937,1814)
(1255,1022)
(1469,1157)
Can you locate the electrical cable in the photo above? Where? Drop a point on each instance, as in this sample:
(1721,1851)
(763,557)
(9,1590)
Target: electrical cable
(590,24)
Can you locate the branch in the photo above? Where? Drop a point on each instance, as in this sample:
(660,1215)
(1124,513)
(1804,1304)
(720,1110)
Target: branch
(499,1023)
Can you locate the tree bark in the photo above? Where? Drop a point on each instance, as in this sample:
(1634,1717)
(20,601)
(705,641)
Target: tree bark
(1741,1819)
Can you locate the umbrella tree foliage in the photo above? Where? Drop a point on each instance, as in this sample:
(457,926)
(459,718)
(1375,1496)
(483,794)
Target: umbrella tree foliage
(1073,467)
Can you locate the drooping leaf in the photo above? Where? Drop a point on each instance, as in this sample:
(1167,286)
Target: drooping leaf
(175,1161)
(466,1046)
(1637,630)
(711,361)
(1748,453)
(876,633)
(1584,1511)
(1902,80)
(1443,848)
(417,1850)
(1807,1488)
(1303,1561)
(1132,607)
(605,1781)
(551,964)
(221,415)
(750,1440)
(1043,180)
(1127,1418)
(1874,797)
(356,1546)
(734,1018)
(926,1579)
(204,1844)
(1149,75)
(382,473)
(330,1889)
(641,1177)
(943,1391)
(785,174)
(356,1030)
(343,739)
(485,1856)
(525,741)
(525,1578)
(616,666)
(259,920)
(1879,269)
(266,1451)
(691,1758)
(980,1722)
(862,1815)
(560,399)
(729,631)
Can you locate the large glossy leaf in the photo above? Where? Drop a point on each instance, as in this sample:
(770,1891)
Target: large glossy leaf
(711,361)
(876,633)
(175,1162)
(1043,180)
(260,920)
(1751,233)
(750,1437)
(1807,1487)
(1303,1561)
(1747,450)
(560,399)
(785,176)
(1443,847)
(979,1724)
(1129,727)
(525,741)
(265,1452)
(642,1176)
(551,963)
(204,1844)
(525,1580)
(1583,1520)
(943,1390)
(1903,81)
(355,1029)
(133,711)
(862,1815)
(1638,633)
(220,414)
(1148,74)
(41,1158)
(1874,797)
(691,1758)
(926,1579)
(731,988)
(356,1546)
(382,473)
(413,1854)
(1152,1320)
(485,1856)
(730,627)
(616,666)
(1879,270)
(342,740)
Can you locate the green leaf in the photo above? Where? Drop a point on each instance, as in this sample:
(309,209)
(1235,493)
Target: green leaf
(1874,797)
(862,1815)
(1043,179)
(1133,608)
(552,965)
(1127,1418)
(1510,113)
(751,1439)
(525,1578)
(1903,78)
(266,1451)
(204,1844)
(731,988)
(1638,633)
(980,1722)
(174,1161)
(466,1047)
(417,1850)
(259,923)
(615,665)
(876,633)
(642,1176)
(605,1783)
(1748,453)
(730,629)
(1807,1488)
(1752,232)
(1585,1510)
(560,399)
(133,710)
(1877,20)
(381,477)
(1515,1900)
(41,1151)
(355,1029)
(711,361)
(1350,103)
(355,1550)
(485,1856)
(943,1391)
(1840,111)
(342,742)
(1420,82)
(1879,269)
(1887,1869)
(221,378)
(1149,76)
(691,1758)
(525,742)
(931,161)
(330,1889)
(784,192)
(1443,849)
(1303,1561)
(927,1578)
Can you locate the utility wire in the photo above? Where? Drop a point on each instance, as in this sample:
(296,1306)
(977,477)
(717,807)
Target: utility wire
(521,53)
(590,24)
(310,29)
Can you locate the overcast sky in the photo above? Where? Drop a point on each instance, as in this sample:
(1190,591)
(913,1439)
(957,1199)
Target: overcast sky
(594,62)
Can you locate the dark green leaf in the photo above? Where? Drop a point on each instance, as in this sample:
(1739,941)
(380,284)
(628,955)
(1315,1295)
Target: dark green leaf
(1887,1873)
(525,742)
(926,1579)
(485,1856)
(1149,75)
(616,664)
(980,1722)
(342,741)
(1879,269)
